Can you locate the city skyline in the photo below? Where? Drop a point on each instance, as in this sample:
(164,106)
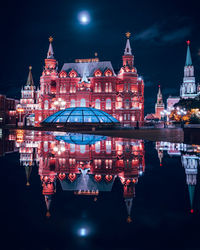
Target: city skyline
(154,37)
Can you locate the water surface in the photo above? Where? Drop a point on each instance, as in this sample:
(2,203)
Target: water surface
(71,191)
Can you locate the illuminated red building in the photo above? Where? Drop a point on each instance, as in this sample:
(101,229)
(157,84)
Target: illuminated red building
(83,164)
(91,83)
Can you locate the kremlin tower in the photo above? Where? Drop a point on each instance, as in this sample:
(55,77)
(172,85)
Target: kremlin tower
(159,107)
(188,88)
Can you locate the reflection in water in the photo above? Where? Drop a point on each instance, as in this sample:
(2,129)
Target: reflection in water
(89,164)
(190,158)
(84,164)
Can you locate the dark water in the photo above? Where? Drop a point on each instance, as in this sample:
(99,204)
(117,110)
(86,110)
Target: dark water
(72,191)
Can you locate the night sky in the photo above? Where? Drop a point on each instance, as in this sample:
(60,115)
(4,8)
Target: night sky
(159,31)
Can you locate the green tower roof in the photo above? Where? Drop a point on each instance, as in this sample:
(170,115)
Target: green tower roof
(188,61)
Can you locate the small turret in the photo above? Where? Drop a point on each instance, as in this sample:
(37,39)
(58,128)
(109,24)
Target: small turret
(50,54)
(30,78)
(159,107)
(188,61)
(128,57)
(50,61)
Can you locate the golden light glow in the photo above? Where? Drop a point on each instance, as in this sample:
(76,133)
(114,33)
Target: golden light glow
(50,39)
(128,34)
(30,67)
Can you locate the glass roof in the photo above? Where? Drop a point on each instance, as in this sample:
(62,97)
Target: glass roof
(80,139)
(81,115)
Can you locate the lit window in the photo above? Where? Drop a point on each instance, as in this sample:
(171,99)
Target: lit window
(106,89)
(119,103)
(83,103)
(127,104)
(108,147)
(72,103)
(110,87)
(46,104)
(98,104)
(82,149)
(108,103)
(97,147)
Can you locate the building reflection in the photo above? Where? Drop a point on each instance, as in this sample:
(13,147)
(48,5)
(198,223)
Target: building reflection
(190,159)
(84,164)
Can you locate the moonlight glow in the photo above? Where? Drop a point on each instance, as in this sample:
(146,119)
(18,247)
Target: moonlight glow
(84,17)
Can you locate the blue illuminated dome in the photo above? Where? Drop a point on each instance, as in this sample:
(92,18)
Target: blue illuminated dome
(80,139)
(81,115)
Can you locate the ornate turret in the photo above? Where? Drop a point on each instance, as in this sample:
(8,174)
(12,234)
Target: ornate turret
(50,54)
(159,107)
(188,88)
(190,163)
(48,199)
(128,57)
(28,170)
(30,78)
(50,61)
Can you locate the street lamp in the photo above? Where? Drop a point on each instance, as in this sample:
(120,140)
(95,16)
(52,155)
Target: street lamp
(20,110)
(165,114)
(181,112)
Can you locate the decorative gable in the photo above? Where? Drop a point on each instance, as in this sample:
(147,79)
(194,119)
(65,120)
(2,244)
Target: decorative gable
(108,72)
(97,73)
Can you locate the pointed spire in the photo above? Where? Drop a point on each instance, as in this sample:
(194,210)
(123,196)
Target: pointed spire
(30,78)
(28,170)
(50,54)
(159,96)
(128,46)
(188,61)
(129,202)
(191,189)
(84,78)
(48,203)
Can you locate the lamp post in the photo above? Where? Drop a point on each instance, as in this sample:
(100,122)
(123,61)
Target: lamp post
(181,112)
(165,114)
(20,110)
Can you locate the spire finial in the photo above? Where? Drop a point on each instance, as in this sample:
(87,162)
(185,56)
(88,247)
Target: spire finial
(50,39)
(50,54)
(128,34)
(188,56)
(188,42)
(30,67)
(129,220)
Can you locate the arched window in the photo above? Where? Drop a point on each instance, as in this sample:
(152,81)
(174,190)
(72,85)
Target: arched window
(110,87)
(108,104)
(108,147)
(98,104)
(46,104)
(99,90)
(119,103)
(127,104)
(83,103)
(97,147)
(106,88)
(72,103)
(82,149)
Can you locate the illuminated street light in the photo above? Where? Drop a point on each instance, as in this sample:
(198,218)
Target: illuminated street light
(61,103)
(20,110)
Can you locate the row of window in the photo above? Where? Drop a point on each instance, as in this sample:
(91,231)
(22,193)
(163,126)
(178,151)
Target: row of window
(119,104)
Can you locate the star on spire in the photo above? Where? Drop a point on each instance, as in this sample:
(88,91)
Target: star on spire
(128,46)
(128,34)
(50,54)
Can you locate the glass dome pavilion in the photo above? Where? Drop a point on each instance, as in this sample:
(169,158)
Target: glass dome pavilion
(83,115)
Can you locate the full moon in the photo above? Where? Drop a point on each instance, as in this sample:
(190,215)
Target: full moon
(84,17)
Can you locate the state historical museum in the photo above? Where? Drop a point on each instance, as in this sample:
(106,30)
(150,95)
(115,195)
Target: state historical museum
(85,83)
